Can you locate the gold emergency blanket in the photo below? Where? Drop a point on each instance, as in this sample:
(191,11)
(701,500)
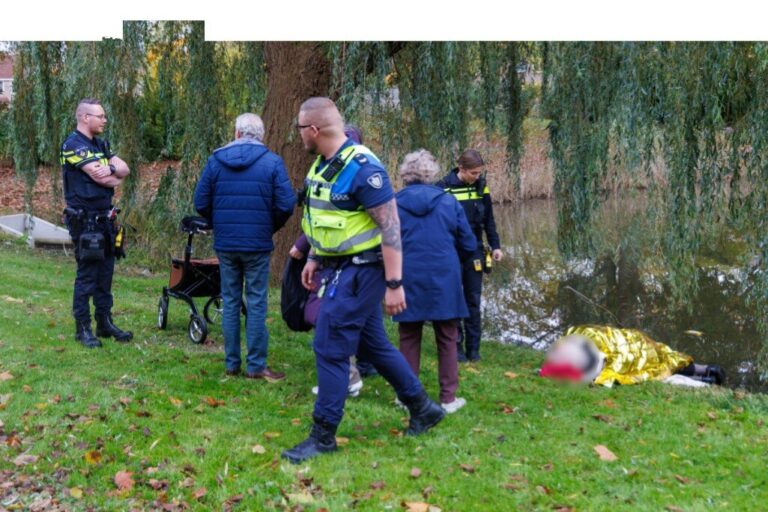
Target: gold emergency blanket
(630,355)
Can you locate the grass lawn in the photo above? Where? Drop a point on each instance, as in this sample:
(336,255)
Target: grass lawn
(73,422)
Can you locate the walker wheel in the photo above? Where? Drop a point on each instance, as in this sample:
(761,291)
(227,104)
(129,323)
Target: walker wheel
(213,310)
(162,312)
(198,330)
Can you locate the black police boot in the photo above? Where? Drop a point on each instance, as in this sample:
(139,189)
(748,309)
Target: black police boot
(715,374)
(85,336)
(425,413)
(322,439)
(105,328)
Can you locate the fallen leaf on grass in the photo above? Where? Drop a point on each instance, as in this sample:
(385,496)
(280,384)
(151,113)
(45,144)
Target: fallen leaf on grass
(40,505)
(295,422)
(378,484)
(672,508)
(467,468)
(175,401)
(158,484)
(231,502)
(563,508)
(199,493)
(258,449)
(302,498)
(271,435)
(607,403)
(23,460)
(125,400)
(604,453)
(682,479)
(5,376)
(415,473)
(543,489)
(213,402)
(76,493)
(342,441)
(4,399)
(603,417)
(507,409)
(419,506)
(124,480)
(187,483)
(93,457)
(712,415)
(471,369)
(13,299)
(548,467)
(510,375)
(26,388)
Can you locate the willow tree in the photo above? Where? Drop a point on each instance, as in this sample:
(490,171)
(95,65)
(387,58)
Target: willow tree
(409,95)
(24,132)
(696,110)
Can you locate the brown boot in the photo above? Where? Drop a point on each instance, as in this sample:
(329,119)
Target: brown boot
(267,374)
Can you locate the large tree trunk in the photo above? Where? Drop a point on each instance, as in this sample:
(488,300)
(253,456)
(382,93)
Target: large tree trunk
(295,71)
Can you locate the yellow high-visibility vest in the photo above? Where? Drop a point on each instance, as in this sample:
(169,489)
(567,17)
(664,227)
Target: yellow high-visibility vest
(330,230)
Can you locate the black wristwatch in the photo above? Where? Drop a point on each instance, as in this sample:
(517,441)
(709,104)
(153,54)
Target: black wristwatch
(394,283)
(112,169)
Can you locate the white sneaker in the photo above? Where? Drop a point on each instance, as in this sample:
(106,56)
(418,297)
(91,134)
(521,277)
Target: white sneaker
(454,406)
(353,390)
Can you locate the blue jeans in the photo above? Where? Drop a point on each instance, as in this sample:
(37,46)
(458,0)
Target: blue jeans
(251,269)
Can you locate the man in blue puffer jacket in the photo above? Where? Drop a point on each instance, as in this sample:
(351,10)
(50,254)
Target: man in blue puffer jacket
(246,194)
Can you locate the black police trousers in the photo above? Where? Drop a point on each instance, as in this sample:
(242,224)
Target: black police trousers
(94,278)
(471,327)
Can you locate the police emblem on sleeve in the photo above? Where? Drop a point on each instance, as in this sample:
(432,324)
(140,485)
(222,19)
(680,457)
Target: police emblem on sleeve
(375,180)
(81,152)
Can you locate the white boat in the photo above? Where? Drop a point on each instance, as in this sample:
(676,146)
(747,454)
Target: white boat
(39,232)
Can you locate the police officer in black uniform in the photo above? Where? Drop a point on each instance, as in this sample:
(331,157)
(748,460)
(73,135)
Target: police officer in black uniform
(91,171)
(468,185)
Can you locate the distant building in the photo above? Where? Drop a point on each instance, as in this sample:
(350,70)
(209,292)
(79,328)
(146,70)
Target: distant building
(6,78)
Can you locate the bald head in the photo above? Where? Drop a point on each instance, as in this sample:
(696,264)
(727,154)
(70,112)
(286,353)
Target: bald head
(322,113)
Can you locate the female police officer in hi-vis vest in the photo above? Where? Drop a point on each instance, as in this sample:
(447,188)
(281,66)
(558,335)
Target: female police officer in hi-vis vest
(468,185)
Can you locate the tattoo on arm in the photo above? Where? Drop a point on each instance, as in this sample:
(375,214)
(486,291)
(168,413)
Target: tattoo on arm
(386,217)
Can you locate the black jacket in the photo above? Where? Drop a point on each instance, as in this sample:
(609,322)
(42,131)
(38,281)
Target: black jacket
(479,211)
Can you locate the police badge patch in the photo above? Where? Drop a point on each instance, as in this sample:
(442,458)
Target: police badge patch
(81,152)
(375,180)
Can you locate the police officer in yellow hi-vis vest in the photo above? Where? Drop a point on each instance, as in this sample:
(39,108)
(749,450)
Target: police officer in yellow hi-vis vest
(351,221)
(468,185)
(91,171)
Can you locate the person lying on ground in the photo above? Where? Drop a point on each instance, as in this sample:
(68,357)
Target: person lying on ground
(606,355)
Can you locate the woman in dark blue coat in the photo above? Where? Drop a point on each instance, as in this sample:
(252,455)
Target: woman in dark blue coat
(436,237)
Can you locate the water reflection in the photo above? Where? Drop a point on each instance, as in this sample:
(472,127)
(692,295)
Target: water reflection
(534,295)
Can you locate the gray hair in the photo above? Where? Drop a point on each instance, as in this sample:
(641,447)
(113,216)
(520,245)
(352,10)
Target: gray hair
(419,166)
(250,126)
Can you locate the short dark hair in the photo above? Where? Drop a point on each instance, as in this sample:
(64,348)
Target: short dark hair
(470,159)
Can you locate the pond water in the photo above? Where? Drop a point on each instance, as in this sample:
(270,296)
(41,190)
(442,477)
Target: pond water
(533,295)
